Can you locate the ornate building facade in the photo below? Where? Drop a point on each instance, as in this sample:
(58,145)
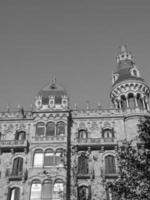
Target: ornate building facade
(54,152)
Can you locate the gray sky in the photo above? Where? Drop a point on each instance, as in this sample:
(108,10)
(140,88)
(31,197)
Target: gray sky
(77,41)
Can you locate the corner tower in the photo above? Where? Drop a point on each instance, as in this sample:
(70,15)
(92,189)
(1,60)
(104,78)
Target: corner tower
(129,91)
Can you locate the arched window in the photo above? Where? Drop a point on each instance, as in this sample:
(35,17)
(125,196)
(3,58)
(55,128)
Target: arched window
(58,156)
(139,101)
(13,193)
(38,158)
(123,103)
(83,193)
(82,134)
(17,166)
(50,129)
(60,129)
(58,190)
(131,101)
(107,133)
(110,167)
(40,129)
(83,164)
(47,190)
(49,158)
(20,135)
(36,189)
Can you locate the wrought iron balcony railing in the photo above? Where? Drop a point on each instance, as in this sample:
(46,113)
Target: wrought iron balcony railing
(13,145)
(48,139)
(16,176)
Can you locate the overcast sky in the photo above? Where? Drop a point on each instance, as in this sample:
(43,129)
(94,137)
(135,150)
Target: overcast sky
(76,40)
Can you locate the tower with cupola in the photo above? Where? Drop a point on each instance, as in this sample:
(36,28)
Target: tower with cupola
(130,92)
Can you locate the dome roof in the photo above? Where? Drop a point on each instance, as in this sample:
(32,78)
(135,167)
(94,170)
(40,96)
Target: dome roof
(124,74)
(52,89)
(125,67)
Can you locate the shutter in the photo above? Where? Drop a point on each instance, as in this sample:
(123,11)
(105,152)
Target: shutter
(47,190)
(15,166)
(20,165)
(17,194)
(9,194)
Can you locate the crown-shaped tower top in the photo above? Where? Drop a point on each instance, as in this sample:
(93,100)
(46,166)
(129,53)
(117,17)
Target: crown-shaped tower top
(124,54)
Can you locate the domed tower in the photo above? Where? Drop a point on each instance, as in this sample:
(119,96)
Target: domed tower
(52,97)
(129,91)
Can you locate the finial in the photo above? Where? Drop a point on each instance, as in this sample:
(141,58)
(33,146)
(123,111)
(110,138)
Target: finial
(87,105)
(53,80)
(18,106)
(123,48)
(99,105)
(8,108)
(75,106)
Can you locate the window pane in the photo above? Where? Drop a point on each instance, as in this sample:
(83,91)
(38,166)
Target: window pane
(60,129)
(58,191)
(36,191)
(58,157)
(15,194)
(58,100)
(40,129)
(110,164)
(83,193)
(50,129)
(38,159)
(47,190)
(45,100)
(48,159)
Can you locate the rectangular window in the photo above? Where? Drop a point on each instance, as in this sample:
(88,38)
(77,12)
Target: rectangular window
(38,160)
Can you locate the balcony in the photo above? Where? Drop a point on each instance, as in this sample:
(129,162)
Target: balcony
(111,175)
(96,143)
(49,139)
(20,176)
(14,145)
(83,176)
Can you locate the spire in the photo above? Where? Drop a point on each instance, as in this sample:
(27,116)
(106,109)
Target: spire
(124,54)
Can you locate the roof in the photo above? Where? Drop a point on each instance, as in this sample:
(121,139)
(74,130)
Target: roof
(52,89)
(124,74)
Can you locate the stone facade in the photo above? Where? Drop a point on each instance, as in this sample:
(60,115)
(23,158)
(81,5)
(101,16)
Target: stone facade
(56,152)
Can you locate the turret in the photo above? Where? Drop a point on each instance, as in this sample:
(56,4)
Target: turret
(129,90)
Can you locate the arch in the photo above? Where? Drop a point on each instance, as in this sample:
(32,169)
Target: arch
(13,193)
(40,129)
(50,129)
(17,168)
(49,158)
(20,135)
(107,133)
(38,158)
(82,164)
(139,101)
(82,134)
(36,190)
(60,128)
(58,190)
(83,193)
(110,167)
(131,101)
